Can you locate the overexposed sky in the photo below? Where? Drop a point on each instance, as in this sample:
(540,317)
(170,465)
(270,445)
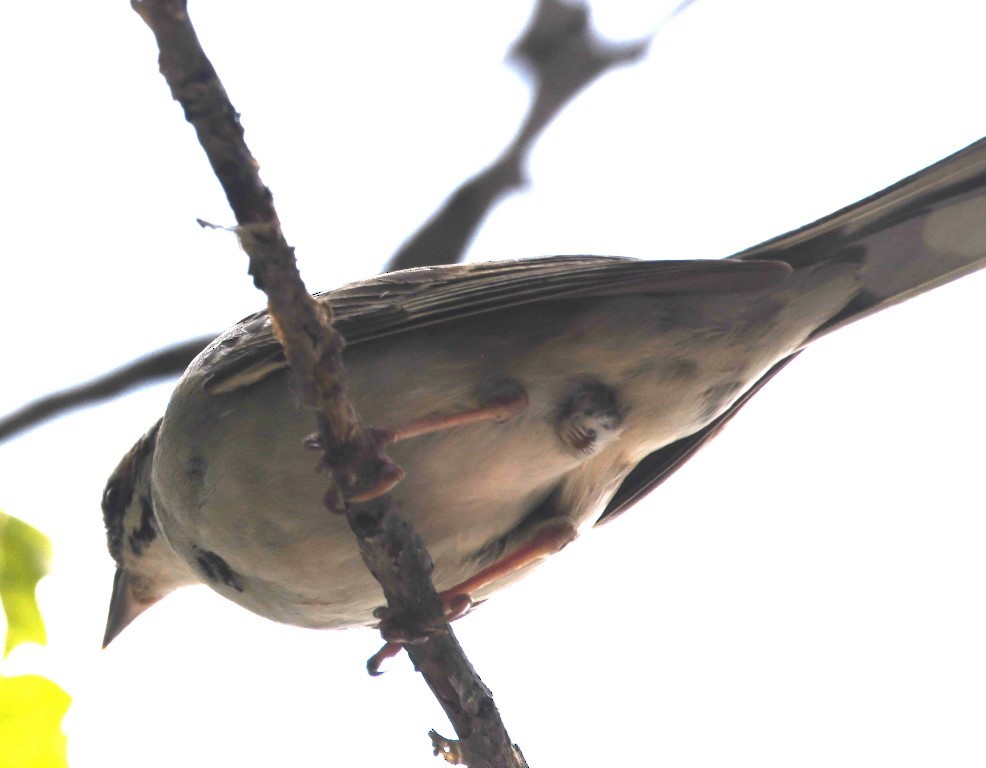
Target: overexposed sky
(809,591)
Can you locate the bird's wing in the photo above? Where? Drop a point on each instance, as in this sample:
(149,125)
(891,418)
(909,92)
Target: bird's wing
(664,462)
(403,301)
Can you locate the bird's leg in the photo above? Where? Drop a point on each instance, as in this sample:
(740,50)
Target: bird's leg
(550,538)
(457,601)
(505,400)
(387,652)
(502,401)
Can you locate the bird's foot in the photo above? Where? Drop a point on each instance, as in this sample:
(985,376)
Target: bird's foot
(499,402)
(457,601)
(398,632)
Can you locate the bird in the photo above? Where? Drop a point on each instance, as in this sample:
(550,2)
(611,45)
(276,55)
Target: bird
(530,401)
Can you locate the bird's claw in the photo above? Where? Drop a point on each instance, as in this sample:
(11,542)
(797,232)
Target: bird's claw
(387,478)
(397,633)
(376,660)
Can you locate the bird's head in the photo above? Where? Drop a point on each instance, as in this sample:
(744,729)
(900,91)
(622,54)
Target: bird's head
(147,568)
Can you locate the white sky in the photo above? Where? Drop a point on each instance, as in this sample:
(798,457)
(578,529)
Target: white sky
(809,591)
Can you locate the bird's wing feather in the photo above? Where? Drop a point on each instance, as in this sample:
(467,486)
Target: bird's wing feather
(398,302)
(922,232)
(658,466)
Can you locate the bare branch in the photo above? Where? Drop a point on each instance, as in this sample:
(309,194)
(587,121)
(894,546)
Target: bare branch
(562,56)
(304,325)
(394,555)
(468,703)
(164,363)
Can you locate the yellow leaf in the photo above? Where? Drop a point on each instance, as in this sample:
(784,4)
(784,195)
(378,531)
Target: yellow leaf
(25,554)
(31,712)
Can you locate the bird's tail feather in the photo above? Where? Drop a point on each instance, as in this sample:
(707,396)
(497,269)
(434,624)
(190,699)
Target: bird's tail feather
(922,232)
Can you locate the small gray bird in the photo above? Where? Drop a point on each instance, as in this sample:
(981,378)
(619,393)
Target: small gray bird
(533,400)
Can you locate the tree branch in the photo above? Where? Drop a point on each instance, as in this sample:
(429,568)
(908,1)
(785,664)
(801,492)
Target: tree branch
(562,56)
(164,363)
(395,556)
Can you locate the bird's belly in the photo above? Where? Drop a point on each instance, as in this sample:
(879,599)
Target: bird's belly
(282,554)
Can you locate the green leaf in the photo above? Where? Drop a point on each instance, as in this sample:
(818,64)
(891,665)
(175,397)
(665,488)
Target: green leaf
(25,554)
(31,711)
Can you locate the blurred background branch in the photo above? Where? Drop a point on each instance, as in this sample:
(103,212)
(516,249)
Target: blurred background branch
(165,363)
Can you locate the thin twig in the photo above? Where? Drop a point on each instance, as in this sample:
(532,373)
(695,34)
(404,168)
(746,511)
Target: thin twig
(394,555)
(164,363)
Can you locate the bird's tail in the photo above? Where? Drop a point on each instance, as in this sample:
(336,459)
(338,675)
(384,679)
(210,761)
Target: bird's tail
(922,232)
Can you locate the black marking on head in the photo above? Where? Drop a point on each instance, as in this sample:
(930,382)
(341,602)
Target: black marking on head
(214,568)
(143,535)
(119,491)
(588,413)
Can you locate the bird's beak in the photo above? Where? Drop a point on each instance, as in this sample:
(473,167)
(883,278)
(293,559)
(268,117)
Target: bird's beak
(124,607)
